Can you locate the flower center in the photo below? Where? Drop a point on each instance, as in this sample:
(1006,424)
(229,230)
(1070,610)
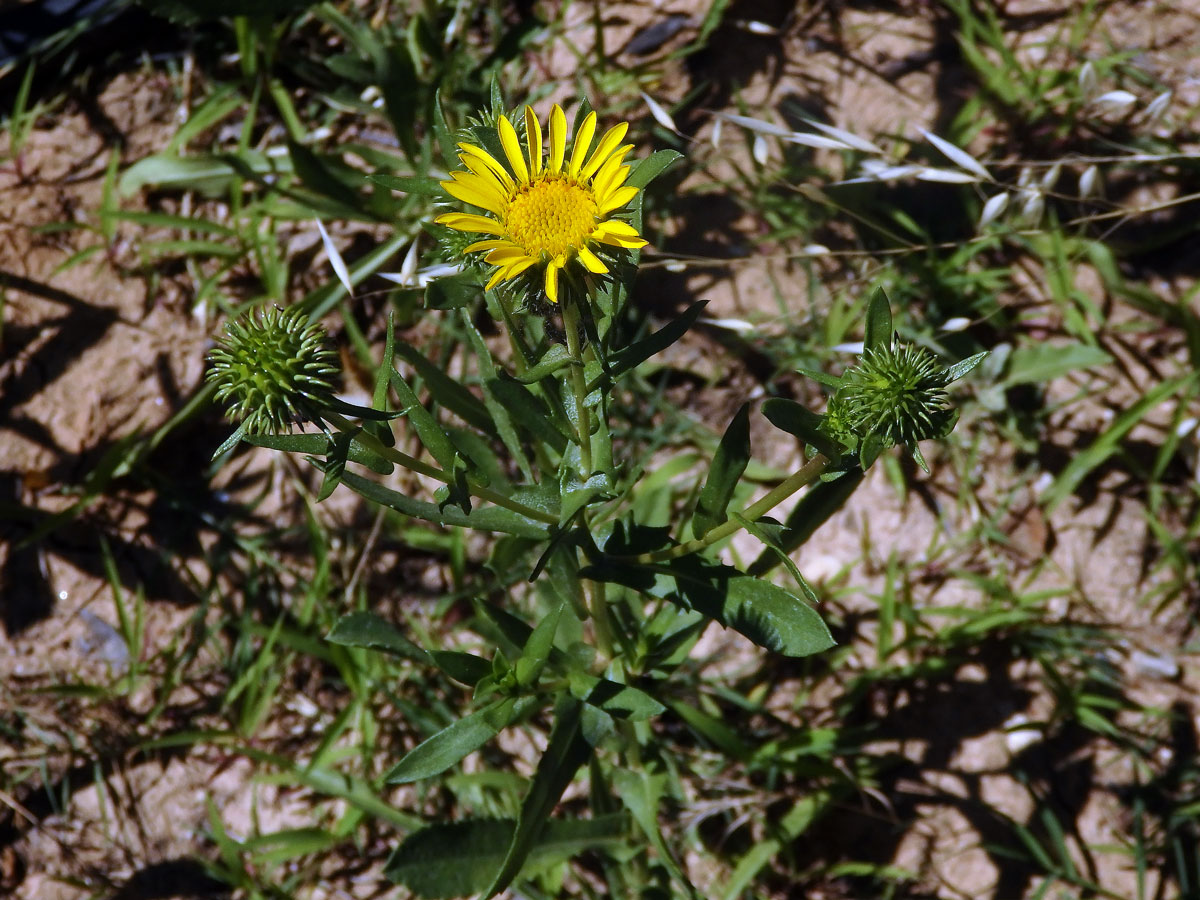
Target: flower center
(550,216)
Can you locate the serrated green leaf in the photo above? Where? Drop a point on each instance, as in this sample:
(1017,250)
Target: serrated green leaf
(436,441)
(728,464)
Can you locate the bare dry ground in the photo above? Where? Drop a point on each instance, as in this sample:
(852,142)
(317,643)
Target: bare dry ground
(101,351)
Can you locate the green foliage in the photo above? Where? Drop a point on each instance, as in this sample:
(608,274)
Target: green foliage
(538,457)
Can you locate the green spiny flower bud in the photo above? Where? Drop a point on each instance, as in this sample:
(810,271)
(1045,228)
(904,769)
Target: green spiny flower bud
(274,370)
(897,393)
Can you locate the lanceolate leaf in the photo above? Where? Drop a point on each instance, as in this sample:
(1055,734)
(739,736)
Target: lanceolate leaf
(646,170)
(537,649)
(879,323)
(336,451)
(445,390)
(959,369)
(641,793)
(618,700)
(409,184)
(796,419)
(729,462)
(1045,362)
(528,411)
(621,701)
(630,357)
(428,430)
(555,358)
(446,748)
(767,614)
(363,629)
(1106,445)
(316,445)
(568,750)
(459,859)
(483,518)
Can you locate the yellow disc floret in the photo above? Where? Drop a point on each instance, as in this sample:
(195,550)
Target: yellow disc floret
(551,217)
(549,210)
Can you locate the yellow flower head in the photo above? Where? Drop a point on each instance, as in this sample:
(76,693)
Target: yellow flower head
(545,210)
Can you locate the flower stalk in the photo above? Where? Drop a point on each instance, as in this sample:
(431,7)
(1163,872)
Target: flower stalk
(805,475)
(572,326)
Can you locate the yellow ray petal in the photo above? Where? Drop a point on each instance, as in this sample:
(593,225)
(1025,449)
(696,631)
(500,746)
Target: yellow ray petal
(558,138)
(480,169)
(470,189)
(613,185)
(512,270)
(617,227)
(488,160)
(470,223)
(611,140)
(583,140)
(552,268)
(533,137)
(618,199)
(506,255)
(591,261)
(504,273)
(487,245)
(512,149)
(608,177)
(606,234)
(496,278)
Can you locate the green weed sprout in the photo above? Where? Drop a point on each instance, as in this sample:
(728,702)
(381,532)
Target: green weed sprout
(526,451)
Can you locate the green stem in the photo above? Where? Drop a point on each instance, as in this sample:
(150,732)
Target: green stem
(599,608)
(806,474)
(578,387)
(372,443)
